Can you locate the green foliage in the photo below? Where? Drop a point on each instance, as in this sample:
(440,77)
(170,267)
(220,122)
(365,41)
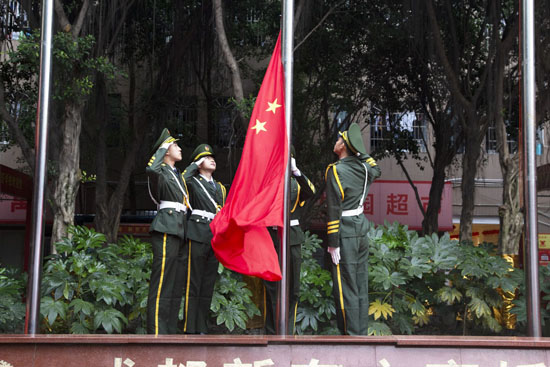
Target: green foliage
(520,304)
(316,307)
(431,282)
(12,308)
(232,303)
(73,68)
(93,287)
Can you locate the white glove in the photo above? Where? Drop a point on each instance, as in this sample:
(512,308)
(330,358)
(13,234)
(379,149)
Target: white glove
(199,162)
(166,145)
(335,254)
(293,168)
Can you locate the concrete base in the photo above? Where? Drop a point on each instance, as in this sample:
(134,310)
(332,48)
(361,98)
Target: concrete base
(265,351)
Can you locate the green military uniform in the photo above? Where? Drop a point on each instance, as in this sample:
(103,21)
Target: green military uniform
(348,181)
(167,235)
(301,189)
(206,198)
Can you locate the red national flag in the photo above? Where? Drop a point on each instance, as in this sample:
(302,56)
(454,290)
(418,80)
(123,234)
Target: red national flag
(241,241)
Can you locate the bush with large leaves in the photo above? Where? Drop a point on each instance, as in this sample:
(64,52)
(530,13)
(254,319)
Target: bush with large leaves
(434,284)
(12,308)
(91,286)
(316,307)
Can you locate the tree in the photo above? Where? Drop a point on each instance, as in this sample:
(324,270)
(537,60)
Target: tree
(73,68)
(467,56)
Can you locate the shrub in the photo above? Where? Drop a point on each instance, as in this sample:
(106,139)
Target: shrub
(232,304)
(12,308)
(91,286)
(414,281)
(316,307)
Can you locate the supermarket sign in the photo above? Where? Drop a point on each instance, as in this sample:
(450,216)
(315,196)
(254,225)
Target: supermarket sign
(395,201)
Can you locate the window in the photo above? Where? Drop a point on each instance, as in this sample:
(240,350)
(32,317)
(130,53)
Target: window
(4,134)
(221,129)
(413,122)
(491,143)
(185,116)
(12,19)
(491,139)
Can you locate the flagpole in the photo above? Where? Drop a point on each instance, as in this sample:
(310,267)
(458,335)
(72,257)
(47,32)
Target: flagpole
(41,142)
(288,64)
(530,170)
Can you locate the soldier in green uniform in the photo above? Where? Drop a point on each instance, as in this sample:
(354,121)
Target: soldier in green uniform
(167,235)
(206,197)
(301,189)
(347,185)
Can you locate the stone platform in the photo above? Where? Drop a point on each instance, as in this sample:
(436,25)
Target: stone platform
(265,351)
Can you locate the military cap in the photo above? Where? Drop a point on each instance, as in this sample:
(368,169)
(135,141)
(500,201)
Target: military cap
(164,138)
(353,139)
(202,150)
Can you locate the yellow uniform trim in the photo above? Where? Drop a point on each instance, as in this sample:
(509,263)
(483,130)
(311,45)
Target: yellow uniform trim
(341,295)
(338,181)
(223,193)
(294,322)
(297,200)
(344,135)
(326,172)
(184,183)
(311,186)
(201,154)
(333,222)
(336,226)
(160,284)
(187,287)
(332,231)
(169,140)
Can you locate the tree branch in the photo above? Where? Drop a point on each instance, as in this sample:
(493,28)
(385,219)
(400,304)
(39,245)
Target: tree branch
(226,50)
(81,17)
(62,17)
(318,24)
(454,83)
(27,150)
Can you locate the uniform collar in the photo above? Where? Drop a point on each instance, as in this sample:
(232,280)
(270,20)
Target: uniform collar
(206,179)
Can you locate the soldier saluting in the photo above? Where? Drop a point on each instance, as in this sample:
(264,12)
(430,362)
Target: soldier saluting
(207,196)
(348,181)
(167,190)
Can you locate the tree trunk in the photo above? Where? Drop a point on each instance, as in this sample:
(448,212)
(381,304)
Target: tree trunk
(67,181)
(510,213)
(511,216)
(469,170)
(109,206)
(227,53)
(430,224)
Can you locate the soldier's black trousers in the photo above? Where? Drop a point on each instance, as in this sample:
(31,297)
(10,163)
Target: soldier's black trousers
(166,284)
(271,294)
(351,286)
(201,269)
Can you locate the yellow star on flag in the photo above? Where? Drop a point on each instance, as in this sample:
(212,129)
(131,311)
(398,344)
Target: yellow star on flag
(259,126)
(273,106)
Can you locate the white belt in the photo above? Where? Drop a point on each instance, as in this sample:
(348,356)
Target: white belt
(352,212)
(294,222)
(179,207)
(203,213)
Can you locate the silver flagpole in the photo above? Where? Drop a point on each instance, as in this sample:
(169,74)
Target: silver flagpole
(529,170)
(288,63)
(37,230)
